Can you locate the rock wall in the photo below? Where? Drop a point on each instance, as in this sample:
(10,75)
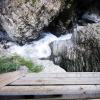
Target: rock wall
(63,22)
(24,19)
(83,54)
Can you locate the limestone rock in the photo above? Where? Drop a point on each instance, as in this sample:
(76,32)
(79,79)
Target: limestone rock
(61,48)
(84,54)
(24,19)
(64,20)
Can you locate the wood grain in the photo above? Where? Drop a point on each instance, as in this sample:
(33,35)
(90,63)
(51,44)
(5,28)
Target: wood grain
(27,81)
(9,77)
(67,74)
(68,92)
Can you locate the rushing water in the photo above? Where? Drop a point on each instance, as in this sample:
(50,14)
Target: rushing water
(41,48)
(93,17)
(38,49)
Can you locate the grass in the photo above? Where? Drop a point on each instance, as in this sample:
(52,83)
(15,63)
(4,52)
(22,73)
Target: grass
(13,63)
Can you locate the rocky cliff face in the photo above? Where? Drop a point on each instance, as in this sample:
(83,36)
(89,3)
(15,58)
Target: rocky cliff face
(24,19)
(79,20)
(81,52)
(63,22)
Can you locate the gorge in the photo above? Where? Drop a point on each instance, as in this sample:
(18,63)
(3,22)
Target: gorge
(60,35)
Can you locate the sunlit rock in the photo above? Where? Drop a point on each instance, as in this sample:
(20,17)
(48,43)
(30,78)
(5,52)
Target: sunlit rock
(86,50)
(24,19)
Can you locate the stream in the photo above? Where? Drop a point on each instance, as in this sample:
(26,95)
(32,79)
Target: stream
(52,49)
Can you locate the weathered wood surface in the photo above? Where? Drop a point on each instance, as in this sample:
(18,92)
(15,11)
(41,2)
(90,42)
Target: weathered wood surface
(66,86)
(68,91)
(59,79)
(67,74)
(9,77)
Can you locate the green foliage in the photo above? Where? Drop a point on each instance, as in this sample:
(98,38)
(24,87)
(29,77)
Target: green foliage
(33,1)
(28,63)
(8,64)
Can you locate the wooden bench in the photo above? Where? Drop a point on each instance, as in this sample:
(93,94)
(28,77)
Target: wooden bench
(53,86)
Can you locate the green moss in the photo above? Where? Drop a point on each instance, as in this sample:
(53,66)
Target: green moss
(33,1)
(9,64)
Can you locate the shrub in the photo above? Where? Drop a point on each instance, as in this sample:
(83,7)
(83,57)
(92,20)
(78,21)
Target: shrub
(9,64)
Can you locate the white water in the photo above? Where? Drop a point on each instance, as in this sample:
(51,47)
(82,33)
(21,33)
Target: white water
(93,17)
(40,49)
(37,49)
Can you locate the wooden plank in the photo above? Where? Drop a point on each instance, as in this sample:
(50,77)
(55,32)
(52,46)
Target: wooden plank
(68,91)
(44,98)
(9,77)
(56,99)
(67,74)
(27,81)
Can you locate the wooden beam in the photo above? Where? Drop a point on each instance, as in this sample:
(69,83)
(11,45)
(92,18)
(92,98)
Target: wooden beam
(56,99)
(67,91)
(67,74)
(28,81)
(9,77)
(80,78)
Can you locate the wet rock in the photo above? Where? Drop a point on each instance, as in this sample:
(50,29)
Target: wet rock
(64,20)
(4,37)
(82,52)
(92,16)
(88,11)
(3,51)
(91,32)
(60,49)
(24,19)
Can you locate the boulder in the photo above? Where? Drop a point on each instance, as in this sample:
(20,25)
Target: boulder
(24,19)
(64,20)
(82,52)
(88,33)
(88,11)
(91,16)
(60,49)
(88,48)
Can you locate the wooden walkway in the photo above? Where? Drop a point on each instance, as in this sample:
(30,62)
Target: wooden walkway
(52,86)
